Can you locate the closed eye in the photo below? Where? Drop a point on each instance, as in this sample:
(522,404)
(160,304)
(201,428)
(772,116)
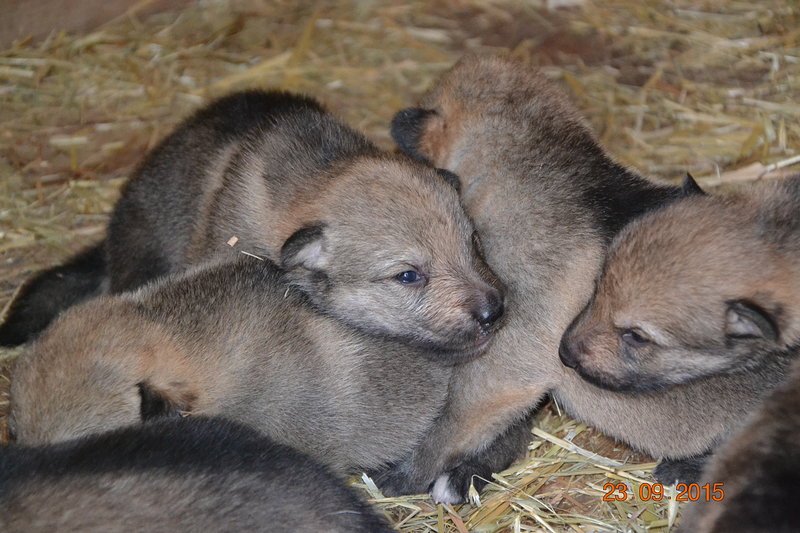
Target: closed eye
(634,339)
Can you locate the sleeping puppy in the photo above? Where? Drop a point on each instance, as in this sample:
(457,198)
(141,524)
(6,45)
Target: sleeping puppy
(377,240)
(236,340)
(705,287)
(193,474)
(546,200)
(708,287)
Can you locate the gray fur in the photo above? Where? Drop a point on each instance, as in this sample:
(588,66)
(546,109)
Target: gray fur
(264,168)
(175,476)
(293,166)
(236,340)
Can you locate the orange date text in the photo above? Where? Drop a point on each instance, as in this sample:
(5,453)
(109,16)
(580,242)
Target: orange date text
(690,492)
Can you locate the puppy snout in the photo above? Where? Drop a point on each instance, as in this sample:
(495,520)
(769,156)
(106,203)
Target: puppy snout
(490,311)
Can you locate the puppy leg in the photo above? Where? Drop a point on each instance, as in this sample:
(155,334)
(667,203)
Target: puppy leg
(477,469)
(476,416)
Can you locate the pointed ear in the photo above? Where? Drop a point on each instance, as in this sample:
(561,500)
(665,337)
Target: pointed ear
(745,320)
(307,248)
(407,127)
(689,187)
(160,403)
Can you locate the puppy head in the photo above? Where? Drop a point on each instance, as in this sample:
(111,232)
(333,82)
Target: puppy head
(95,369)
(690,291)
(394,254)
(483,107)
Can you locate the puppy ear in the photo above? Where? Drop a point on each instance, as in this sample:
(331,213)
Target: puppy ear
(450,178)
(689,187)
(407,127)
(160,403)
(307,248)
(745,320)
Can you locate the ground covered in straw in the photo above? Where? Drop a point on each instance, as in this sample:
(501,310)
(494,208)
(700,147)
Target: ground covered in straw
(709,87)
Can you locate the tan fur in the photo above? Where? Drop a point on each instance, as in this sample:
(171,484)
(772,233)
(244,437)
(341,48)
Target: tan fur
(528,166)
(674,278)
(230,340)
(294,184)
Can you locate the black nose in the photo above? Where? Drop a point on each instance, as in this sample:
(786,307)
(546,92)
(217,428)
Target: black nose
(566,353)
(491,311)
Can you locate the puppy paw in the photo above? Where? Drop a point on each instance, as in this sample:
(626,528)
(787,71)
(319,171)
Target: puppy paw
(397,480)
(444,491)
(687,470)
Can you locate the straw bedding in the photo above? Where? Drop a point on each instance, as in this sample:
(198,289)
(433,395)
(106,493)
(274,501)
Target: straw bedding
(710,87)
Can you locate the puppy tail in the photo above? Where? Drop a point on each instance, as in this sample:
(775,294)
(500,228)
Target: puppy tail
(41,298)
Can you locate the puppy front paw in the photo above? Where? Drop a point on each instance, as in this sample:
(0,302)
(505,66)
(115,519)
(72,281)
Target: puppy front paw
(399,480)
(450,489)
(686,470)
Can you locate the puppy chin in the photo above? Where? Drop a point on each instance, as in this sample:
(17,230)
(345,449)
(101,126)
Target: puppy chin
(461,353)
(628,384)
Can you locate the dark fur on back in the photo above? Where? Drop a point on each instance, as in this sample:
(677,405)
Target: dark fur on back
(193,474)
(125,264)
(161,206)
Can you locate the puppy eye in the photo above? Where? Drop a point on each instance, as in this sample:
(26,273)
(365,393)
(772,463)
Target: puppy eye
(408,277)
(634,339)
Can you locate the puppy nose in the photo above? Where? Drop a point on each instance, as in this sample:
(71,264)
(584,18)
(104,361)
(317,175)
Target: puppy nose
(566,352)
(490,312)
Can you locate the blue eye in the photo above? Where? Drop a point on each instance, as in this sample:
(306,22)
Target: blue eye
(409,276)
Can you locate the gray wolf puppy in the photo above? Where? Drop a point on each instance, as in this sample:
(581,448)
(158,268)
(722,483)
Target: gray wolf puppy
(376,240)
(235,340)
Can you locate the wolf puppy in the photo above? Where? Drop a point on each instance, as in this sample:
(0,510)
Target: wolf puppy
(376,240)
(707,286)
(759,471)
(546,200)
(193,474)
(236,340)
